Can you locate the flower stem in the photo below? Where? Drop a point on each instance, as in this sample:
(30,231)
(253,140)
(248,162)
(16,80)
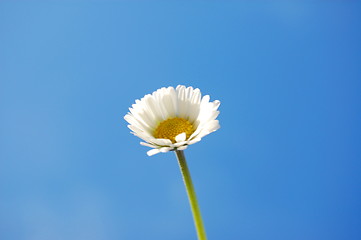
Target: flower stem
(201,233)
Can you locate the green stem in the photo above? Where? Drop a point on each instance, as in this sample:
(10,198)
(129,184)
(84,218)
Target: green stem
(201,233)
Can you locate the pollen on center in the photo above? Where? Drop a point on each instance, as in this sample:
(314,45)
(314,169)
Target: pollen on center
(170,128)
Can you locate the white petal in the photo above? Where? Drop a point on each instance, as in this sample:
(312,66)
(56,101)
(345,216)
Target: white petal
(207,129)
(152,109)
(193,141)
(205,99)
(153,151)
(182,148)
(180,137)
(161,142)
(145,139)
(196,132)
(178,144)
(139,130)
(151,103)
(181,105)
(194,105)
(169,102)
(159,95)
(138,124)
(216,104)
(148,145)
(140,119)
(165,149)
(189,92)
(213,126)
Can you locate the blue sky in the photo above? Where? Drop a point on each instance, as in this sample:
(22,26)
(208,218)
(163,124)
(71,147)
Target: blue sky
(284,165)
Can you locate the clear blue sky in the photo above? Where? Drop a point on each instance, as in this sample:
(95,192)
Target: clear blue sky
(285,164)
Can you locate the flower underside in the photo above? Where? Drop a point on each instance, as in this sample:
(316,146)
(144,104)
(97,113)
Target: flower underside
(170,128)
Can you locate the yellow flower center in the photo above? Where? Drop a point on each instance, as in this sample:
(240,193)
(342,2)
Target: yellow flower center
(171,127)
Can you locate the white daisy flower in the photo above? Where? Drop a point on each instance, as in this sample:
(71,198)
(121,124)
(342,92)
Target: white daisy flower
(171,119)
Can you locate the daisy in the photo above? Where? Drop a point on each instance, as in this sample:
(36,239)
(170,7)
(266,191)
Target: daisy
(172,119)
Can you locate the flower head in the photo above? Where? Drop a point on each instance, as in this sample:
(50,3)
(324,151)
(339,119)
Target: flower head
(171,119)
